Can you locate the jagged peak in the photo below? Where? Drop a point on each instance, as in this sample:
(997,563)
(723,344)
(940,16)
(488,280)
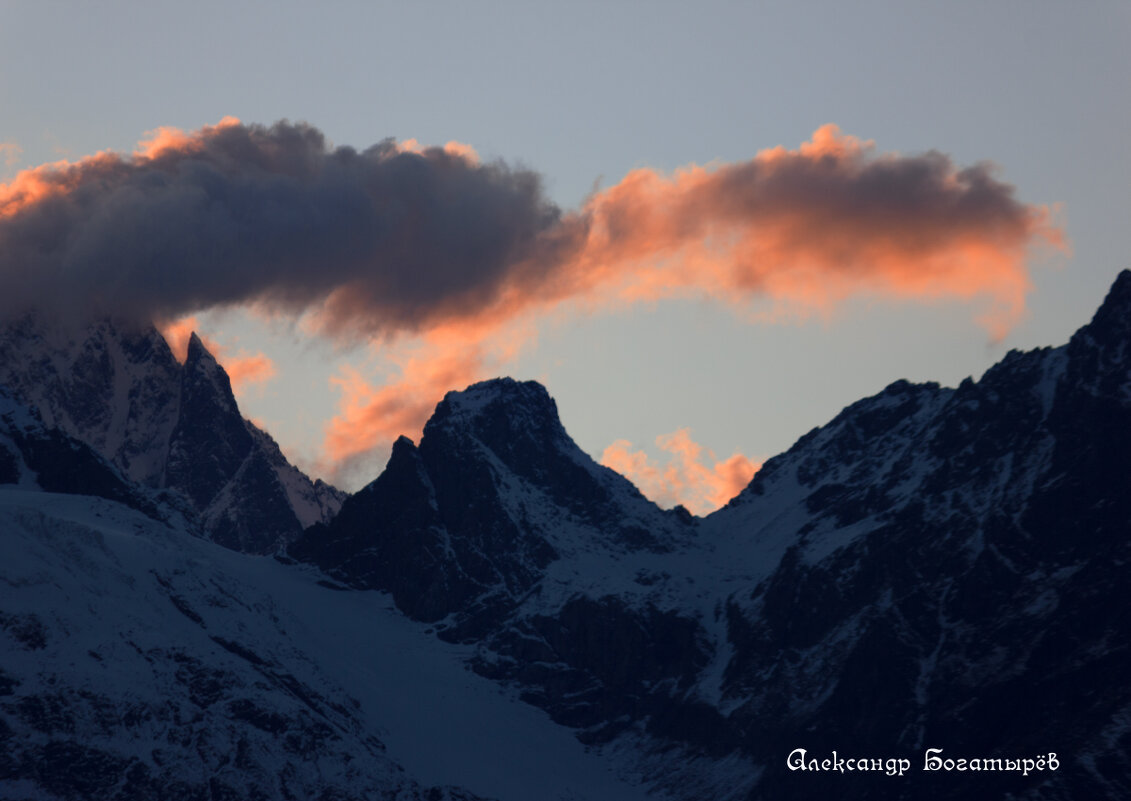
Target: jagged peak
(1121,288)
(1112,321)
(200,365)
(197,349)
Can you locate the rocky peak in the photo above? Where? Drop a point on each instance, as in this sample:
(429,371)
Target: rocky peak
(1112,321)
(1099,354)
(508,433)
(468,522)
(250,497)
(506,423)
(205,380)
(210,440)
(507,416)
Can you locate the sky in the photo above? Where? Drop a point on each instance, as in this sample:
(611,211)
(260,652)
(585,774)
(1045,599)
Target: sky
(706,230)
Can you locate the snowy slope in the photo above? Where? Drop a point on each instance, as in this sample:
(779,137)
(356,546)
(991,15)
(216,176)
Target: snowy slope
(152,660)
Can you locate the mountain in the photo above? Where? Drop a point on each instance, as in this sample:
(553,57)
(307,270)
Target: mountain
(498,616)
(118,389)
(469,523)
(933,568)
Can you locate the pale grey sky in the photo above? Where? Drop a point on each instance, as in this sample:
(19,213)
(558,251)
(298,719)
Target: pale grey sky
(585,92)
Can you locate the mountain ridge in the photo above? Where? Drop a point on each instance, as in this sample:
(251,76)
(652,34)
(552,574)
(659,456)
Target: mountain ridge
(933,568)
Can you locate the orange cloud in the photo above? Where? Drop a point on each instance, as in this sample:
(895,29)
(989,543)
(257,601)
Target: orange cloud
(166,140)
(402,238)
(691,476)
(177,334)
(814,226)
(246,369)
(452,148)
(809,227)
(33,186)
(371,417)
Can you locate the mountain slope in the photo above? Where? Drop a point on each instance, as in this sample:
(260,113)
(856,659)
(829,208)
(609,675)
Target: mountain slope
(142,662)
(951,583)
(934,568)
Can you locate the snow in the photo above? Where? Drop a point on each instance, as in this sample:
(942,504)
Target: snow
(1053,367)
(91,570)
(445,724)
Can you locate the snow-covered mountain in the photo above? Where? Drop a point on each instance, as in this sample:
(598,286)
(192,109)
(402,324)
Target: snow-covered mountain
(467,525)
(118,388)
(498,615)
(912,575)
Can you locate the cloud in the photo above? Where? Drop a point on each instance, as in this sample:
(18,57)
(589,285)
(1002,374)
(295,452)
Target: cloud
(372,415)
(432,252)
(403,238)
(177,334)
(691,476)
(818,224)
(246,369)
(10,154)
(383,240)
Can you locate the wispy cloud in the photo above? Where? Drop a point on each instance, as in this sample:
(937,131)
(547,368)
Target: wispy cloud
(10,154)
(691,475)
(373,412)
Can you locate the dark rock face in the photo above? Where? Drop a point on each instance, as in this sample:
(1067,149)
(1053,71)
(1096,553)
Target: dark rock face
(390,536)
(111,385)
(210,440)
(466,524)
(216,459)
(599,665)
(9,466)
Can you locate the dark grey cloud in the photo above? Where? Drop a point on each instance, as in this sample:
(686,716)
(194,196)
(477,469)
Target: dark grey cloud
(239,213)
(387,239)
